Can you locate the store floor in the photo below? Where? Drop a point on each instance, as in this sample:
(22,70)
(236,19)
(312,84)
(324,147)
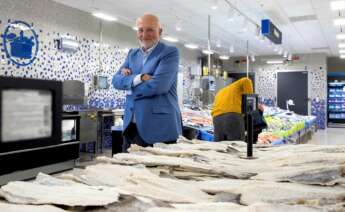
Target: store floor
(330,136)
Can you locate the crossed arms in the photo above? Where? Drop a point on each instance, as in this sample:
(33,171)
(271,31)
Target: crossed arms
(145,85)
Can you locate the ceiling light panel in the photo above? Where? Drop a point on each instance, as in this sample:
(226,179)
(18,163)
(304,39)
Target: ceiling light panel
(104,16)
(224,57)
(340,37)
(170,39)
(339,22)
(338,5)
(191,46)
(274,62)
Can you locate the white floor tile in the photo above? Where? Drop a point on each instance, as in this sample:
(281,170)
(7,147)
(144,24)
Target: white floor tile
(329,136)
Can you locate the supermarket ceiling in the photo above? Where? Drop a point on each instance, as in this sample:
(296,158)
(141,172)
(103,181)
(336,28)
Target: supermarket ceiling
(307,25)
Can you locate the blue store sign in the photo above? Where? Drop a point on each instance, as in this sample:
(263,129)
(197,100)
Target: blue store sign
(20,43)
(271,31)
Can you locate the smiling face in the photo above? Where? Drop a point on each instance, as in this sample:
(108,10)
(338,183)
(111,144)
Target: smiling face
(149,31)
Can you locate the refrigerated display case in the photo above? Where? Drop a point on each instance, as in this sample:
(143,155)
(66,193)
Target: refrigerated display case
(336,104)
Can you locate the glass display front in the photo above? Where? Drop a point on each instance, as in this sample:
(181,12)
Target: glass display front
(69,128)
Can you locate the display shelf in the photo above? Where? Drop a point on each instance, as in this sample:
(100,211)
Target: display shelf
(336,84)
(336,111)
(336,102)
(329,101)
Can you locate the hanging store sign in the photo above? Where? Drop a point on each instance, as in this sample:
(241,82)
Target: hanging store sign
(271,31)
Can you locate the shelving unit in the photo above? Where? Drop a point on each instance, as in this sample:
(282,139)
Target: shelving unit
(105,121)
(336,104)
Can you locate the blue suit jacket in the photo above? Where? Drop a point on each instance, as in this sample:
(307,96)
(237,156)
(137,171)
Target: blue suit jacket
(154,102)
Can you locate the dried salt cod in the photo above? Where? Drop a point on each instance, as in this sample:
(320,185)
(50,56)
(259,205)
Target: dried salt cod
(140,182)
(230,207)
(294,166)
(331,149)
(131,204)
(200,207)
(25,208)
(166,190)
(290,194)
(310,159)
(107,174)
(204,146)
(303,148)
(50,190)
(166,152)
(174,163)
(323,175)
(264,207)
(210,156)
(254,191)
(213,206)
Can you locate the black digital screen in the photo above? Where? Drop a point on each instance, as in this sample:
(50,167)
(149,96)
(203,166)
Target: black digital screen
(249,103)
(30,113)
(26,114)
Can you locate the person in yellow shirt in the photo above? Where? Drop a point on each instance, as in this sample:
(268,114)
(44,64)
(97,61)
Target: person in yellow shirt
(228,121)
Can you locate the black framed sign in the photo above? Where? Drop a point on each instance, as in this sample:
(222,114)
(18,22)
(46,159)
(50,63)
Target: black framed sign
(30,113)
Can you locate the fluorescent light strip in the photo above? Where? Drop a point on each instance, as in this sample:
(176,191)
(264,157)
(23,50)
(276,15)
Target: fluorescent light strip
(338,5)
(289,57)
(285,54)
(339,21)
(340,37)
(135,28)
(252,58)
(191,46)
(342,51)
(104,16)
(170,39)
(207,51)
(224,57)
(341,45)
(342,56)
(274,62)
(232,49)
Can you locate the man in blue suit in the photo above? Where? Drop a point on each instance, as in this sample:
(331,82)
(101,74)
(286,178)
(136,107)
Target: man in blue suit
(149,75)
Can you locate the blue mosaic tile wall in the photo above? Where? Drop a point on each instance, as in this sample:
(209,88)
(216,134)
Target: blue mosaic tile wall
(318,109)
(82,65)
(267,101)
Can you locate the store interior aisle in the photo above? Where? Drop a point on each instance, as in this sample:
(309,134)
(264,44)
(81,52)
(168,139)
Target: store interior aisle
(330,136)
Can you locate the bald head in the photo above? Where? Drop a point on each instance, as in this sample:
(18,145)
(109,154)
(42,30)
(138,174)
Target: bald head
(149,19)
(149,30)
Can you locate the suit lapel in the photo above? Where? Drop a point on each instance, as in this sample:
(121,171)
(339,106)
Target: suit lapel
(147,68)
(137,64)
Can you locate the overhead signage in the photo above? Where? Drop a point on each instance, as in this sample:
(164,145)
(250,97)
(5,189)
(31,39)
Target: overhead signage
(271,31)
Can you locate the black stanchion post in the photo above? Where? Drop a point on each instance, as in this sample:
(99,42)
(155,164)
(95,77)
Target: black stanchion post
(249,104)
(250,135)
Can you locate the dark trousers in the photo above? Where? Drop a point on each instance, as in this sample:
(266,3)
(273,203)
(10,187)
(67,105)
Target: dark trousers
(131,136)
(228,127)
